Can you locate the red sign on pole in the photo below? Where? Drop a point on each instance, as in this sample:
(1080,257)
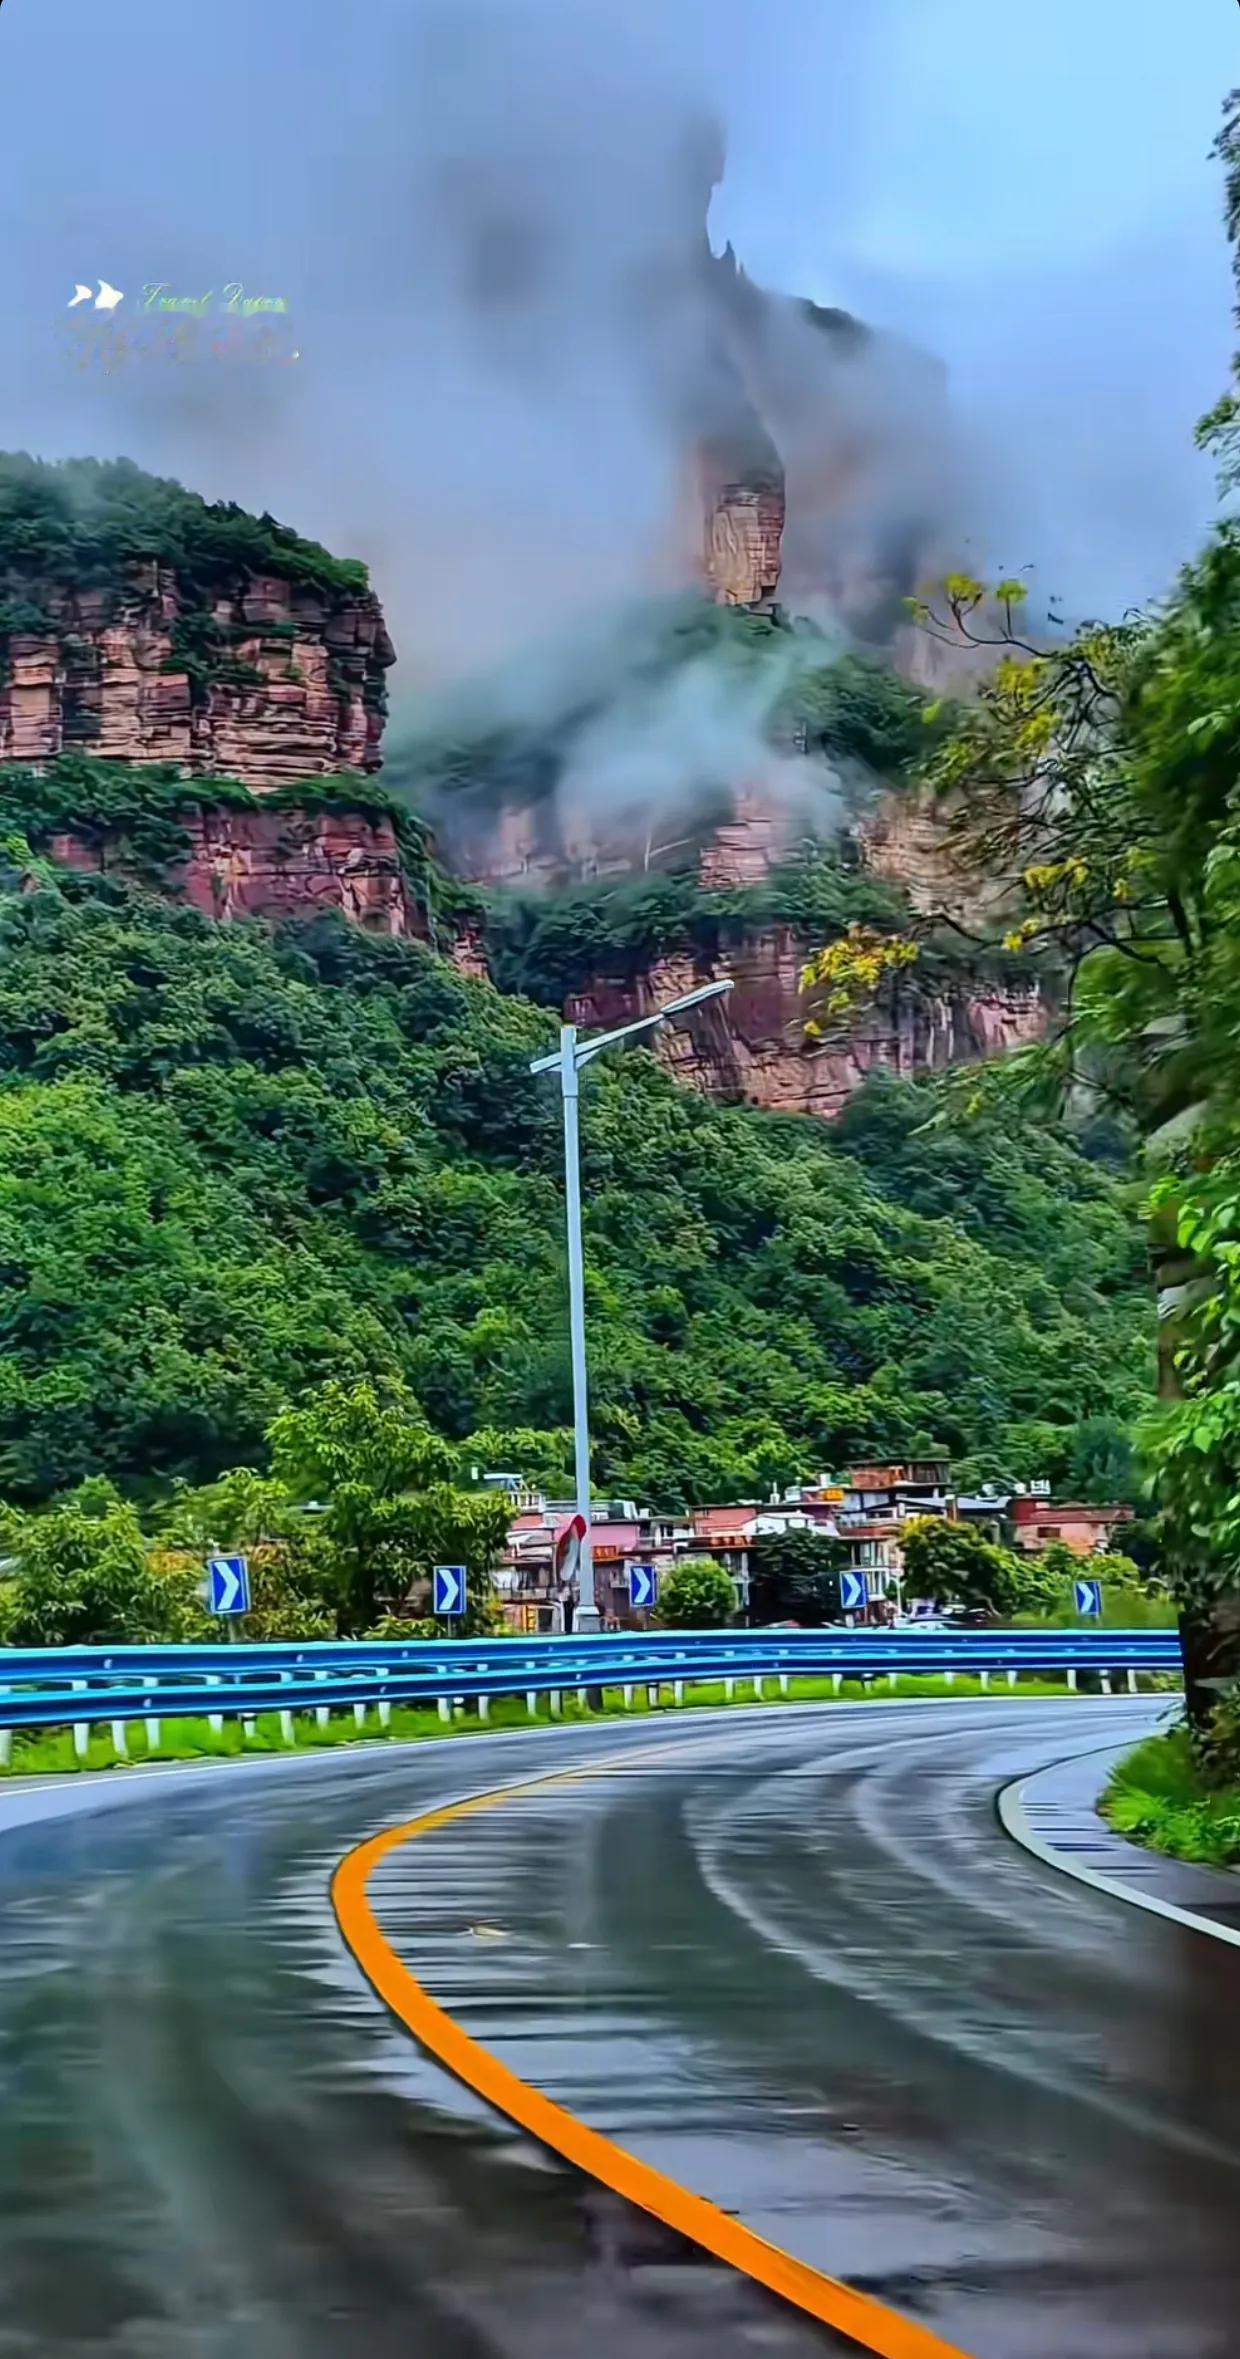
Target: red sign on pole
(568,1548)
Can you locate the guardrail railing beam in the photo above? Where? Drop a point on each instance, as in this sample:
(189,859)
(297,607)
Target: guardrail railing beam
(84,1687)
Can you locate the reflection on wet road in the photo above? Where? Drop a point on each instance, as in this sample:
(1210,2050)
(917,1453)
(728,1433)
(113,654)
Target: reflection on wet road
(789,1958)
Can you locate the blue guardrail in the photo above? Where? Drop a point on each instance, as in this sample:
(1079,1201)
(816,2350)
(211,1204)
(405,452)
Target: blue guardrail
(58,1686)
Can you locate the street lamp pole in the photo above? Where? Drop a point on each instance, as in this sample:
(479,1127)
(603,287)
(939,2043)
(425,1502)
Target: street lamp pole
(570,1090)
(568,1060)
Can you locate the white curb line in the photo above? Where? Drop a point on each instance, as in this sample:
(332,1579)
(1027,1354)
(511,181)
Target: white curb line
(1014,1819)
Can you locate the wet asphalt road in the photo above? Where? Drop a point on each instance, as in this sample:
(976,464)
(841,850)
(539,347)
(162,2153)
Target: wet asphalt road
(790,1958)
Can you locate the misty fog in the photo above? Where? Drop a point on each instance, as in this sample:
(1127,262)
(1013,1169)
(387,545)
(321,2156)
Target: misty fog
(486,218)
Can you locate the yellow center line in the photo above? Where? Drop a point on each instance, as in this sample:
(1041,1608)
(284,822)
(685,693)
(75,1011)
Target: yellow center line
(866,2321)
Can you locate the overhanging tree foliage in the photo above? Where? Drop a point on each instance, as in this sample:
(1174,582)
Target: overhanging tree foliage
(1097,781)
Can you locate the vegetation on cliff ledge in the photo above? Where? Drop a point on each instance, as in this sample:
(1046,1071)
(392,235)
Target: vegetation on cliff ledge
(682,671)
(552,945)
(137,816)
(85,522)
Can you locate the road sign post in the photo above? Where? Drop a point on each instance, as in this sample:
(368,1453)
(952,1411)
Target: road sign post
(643,1588)
(228,1585)
(1089,1599)
(451,1590)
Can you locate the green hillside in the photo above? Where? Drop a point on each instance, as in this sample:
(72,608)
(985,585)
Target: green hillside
(233,1164)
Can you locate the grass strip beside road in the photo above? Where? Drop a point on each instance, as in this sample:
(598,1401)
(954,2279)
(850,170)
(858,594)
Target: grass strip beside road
(1157,1796)
(50,1752)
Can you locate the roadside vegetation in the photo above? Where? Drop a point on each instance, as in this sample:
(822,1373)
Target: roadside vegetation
(958,1565)
(1164,1796)
(355,1504)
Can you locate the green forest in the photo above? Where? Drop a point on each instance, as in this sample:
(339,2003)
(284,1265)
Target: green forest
(236,1164)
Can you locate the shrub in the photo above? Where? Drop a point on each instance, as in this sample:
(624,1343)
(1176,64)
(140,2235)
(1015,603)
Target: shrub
(698,1595)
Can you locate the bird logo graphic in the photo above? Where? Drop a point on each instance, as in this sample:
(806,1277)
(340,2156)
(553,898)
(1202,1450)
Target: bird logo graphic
(106,299)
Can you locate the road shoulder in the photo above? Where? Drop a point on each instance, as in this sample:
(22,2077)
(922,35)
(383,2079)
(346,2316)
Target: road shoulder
(1054,1815)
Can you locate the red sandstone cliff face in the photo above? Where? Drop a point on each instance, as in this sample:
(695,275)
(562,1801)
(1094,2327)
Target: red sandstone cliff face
(751,1047)
(907,839)
(294,688)
(743,529)
(280,864)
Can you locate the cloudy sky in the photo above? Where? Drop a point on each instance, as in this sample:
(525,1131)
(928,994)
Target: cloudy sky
(1029,195)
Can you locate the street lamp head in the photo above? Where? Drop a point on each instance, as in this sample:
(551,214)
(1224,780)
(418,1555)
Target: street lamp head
(584,1052)
(677,1007)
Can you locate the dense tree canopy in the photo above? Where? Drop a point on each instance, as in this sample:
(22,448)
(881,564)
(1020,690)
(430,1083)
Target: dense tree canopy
(355,1503)
(84,1572)
(233,1166)
(84,520)
(955,1565)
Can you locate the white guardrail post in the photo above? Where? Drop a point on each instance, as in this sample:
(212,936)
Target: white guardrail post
(81,1728)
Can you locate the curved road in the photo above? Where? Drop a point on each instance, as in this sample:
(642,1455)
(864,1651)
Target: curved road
(789,1957)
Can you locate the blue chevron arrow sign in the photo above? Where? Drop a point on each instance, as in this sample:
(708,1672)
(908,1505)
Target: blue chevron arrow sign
(643,1587)
(228,1585)
(451,1586)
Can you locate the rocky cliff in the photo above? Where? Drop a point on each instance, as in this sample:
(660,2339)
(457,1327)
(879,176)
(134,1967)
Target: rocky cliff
(741,505)
(752,1047)
(273,863)
(231,651)
(264,680)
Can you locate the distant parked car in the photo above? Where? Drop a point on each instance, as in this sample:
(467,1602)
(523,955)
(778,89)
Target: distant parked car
(812,1629)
